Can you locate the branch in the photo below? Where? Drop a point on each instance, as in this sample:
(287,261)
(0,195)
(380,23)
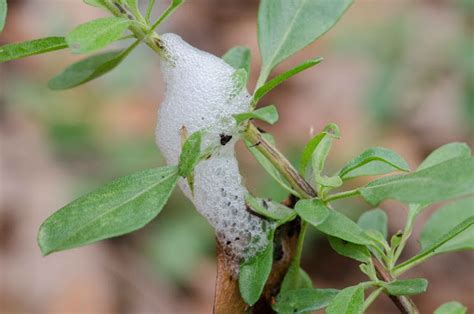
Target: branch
(227,298)
(404,303)
(253,135)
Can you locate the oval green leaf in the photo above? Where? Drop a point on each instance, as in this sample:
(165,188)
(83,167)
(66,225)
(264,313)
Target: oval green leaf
(304,300)
(31,47)
(96,34)
(348,301)
(375,219)
(445,152)
(254,274)
(406,287)
(3,14)
(446,180)
(355,251)
(445,219)
(452,307)
(373,161)
(190,154)
(238,58)
(268,114)
(86,70)
(284,27)
(117,208)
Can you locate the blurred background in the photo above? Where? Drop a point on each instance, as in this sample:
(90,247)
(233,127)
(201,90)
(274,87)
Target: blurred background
(397,73)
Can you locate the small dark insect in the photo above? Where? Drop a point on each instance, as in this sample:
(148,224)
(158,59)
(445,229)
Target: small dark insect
(228,242)
(256,144)
(159,43)
(130,17)
(121,9)
(261,130)
(237,239)
(225,138)
(264,204)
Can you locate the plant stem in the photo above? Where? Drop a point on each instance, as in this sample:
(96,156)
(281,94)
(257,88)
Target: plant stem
(413,212)
(340,195)
(299,184)
(170,9)
(404,303)
(371,298)
(149,9)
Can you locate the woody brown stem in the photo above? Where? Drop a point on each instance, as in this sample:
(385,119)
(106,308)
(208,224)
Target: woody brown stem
(403,303)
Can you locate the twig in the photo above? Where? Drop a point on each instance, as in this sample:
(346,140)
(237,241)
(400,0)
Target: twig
(404,303)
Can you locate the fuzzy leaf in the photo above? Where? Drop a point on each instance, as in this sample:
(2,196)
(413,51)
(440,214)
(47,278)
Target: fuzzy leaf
(331,222)
(268,114)
(295,278)
(285,27)
(31,47)
(375,219)
(444,153)
(303,300)
(312,211)
(452,307)
(445,219)
(3,14)
(373,161)
(330,129)
(267,87)
(96,3)
(269,209)
(96,34)
(449,179)
(355,251)
(86,70)
(117,208)
(254,274)
(407,287)
(348,301)
(190,154)
(238,58)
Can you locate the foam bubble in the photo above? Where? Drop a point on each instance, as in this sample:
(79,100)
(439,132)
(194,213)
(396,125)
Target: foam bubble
(200,94)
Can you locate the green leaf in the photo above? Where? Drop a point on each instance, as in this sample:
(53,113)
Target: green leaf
(295,278)
(117,208)
(330,129)
(319,155)
(348,301)
(355,251)
(312,211)
(267,165)
(433,248)
(452,307)
(86,70)
(96,3)
(239,80)
(284,27)
(3,14)
(330,221)
(254,274)
(96,34)
(375,219)
(269,209)
(444,153)
(190,154)
(373,161)
(267,87)
(238,58)
(445,219)
(133,7)
(449,179)
(304,300)
(406,287)
(30,48)
(269,114)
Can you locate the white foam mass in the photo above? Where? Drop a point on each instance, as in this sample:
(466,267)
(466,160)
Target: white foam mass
(200,95)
